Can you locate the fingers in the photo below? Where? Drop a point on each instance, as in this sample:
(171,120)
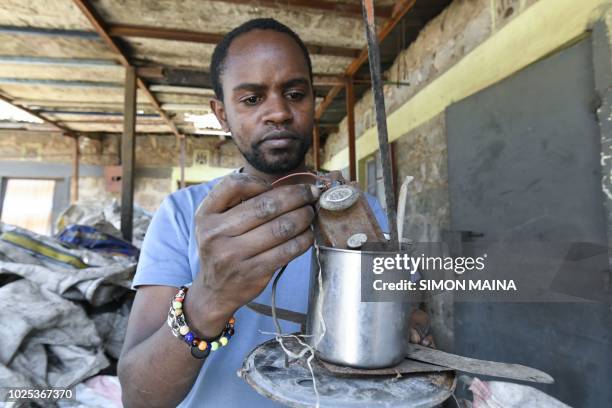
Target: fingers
(269,261)
(275,232)
(266,207)
(231,191)
(419,329)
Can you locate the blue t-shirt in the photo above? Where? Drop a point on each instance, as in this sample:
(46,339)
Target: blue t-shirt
(169,257)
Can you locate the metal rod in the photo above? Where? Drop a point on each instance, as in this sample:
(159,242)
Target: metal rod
(350,124)
(74,190)
(182,160)
(381,116)
(316,141)
(127,155)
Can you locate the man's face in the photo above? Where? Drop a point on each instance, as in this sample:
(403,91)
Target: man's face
(268,102)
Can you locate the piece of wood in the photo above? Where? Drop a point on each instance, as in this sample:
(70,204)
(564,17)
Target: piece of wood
(407,366)
(128,154)
(474,366)
(334,228)
(101,28)
(173,34)
(340,8)
(65,130)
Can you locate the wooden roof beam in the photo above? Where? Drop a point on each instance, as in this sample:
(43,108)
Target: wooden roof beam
(100,27)
(172,34)
(325,6)
(399,11)
(64,130)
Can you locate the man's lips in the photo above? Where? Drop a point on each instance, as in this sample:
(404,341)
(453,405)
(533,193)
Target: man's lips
(279,140)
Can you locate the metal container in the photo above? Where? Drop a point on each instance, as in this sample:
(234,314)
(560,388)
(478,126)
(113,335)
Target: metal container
(341,328)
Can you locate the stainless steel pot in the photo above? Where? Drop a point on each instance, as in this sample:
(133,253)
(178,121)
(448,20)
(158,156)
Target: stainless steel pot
(341,328)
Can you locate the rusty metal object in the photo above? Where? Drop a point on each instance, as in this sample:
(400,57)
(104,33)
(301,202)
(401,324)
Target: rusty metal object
(264,370)
(336,223)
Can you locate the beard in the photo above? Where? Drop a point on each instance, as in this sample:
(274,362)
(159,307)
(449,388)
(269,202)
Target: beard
(277,161)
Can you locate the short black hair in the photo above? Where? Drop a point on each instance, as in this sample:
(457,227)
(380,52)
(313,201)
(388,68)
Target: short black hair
(220,53)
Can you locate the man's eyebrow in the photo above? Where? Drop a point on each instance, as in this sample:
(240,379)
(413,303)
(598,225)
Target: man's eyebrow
(296,82)
(250,87)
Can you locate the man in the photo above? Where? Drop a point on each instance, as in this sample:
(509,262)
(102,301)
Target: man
(228,241)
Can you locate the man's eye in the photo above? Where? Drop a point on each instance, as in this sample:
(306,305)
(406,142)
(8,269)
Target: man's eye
(295,95)
(251,100)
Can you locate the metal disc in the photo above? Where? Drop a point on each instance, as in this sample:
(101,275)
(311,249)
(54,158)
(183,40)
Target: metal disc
(264,370)
(339,198)
(357,240)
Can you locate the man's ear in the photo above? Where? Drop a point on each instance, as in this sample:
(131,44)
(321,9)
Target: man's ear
(219,110)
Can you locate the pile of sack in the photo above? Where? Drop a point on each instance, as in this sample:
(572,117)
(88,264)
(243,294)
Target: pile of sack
(65,300)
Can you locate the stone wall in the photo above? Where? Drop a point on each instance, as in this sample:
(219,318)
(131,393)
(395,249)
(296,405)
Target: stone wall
(421,153)
(156,156)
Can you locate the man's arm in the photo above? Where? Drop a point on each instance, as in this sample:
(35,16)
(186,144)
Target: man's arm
(245,232)
(156,369)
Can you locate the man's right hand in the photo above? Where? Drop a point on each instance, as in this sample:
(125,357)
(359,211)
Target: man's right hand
(245,231)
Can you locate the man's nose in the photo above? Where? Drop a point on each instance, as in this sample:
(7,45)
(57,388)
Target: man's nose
(277,111)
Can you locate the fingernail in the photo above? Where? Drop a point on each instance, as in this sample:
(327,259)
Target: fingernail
(315,191)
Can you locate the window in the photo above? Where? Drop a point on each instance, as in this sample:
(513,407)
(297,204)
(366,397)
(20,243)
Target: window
(28,203)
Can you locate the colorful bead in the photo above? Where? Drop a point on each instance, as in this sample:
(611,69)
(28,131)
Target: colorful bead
(200,354)
(232,321)
(178,312)
(189,337)
(203,345)
(214,346)
(223,340)
(177,305)
(230,331)
(183,330)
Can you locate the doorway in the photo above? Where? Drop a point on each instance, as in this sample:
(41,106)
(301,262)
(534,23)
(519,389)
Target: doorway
(28,203)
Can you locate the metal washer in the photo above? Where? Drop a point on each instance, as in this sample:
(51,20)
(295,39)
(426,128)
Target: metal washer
(357,240)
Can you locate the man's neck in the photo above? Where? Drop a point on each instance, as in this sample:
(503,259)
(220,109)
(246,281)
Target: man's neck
(270,178)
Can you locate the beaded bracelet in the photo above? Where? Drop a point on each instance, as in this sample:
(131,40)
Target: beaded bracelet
(200,348)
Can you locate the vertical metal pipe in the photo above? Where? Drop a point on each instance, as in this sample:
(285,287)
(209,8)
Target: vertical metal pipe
(182,160)
(350,118)
(316,140)
(74,182)
(381,116)
(128,154)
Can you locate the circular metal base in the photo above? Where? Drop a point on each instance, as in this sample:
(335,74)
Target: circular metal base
(264,370)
